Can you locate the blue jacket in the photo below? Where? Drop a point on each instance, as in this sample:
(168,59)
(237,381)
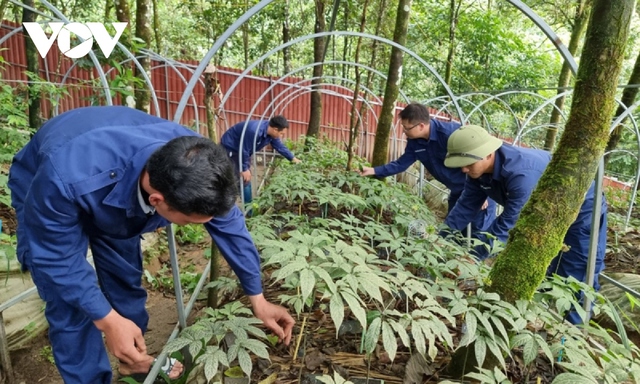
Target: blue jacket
(515,175)
(78,176)
(256,130)
(431,154)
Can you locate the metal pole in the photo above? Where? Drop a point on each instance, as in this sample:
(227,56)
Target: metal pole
(593,240)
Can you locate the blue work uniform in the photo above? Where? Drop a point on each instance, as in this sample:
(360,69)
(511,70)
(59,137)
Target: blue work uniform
(241,148)
(431,153)
(516,172)
(75,185)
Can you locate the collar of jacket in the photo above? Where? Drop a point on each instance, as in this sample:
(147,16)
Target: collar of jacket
(124,194)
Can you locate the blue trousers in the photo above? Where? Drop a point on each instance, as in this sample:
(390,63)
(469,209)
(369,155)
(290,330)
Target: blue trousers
(246,187)
(574,262)
(78,347)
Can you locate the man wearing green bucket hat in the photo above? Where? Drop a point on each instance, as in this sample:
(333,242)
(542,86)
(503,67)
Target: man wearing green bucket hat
(508,175)
(427,143)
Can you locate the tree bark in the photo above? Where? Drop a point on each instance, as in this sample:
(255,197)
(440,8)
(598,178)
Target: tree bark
(451,51)
(156,26)
(315,107)
(628,98)
(381,144)
(33,66)
(123,12)
(143,32)
(286,36)
(553,206)
(579,26)
(354,121)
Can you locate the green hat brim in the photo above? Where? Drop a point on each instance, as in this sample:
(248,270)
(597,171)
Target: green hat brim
(492,144)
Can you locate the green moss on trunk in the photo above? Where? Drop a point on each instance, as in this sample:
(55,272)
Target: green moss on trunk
(554,205)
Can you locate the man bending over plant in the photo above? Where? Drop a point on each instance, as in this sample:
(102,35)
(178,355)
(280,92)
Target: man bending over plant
(100,177)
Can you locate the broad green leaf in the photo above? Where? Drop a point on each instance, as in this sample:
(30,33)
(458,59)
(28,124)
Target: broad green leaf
(418,338)
(480,349)
(373,335)
(245,361)
(572,378)
(336,308)
(402,333)
(389,341)
(356,306)
(257,347)
(307,283)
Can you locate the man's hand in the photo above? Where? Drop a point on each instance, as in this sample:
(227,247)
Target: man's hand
(274,317)
(367,171)
(246,176)
(124,338)
(485,205)
(295,160)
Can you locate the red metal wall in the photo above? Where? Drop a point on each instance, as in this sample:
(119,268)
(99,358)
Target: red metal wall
(289,97)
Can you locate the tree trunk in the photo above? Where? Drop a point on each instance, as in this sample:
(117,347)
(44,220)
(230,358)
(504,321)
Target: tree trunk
(453,24)
(381,144)
(245,37)
(33,66)
(143,32)
(315,107)
(554,204)
(286,36)
(579,26)
(354,122)
(628,98)
(123,12)
(382,13)
(156,26)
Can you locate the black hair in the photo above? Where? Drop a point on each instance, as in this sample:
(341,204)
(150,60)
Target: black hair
(194,175)
(279,122)
(414,113)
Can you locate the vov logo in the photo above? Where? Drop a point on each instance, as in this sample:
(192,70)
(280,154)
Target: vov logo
(86,32)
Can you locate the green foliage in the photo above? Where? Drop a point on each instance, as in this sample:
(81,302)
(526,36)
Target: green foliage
(204,339)
(190,234)
(47,354)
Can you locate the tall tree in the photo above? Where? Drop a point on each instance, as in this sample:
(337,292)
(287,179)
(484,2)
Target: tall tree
(355,121)
(454,10)
(537,237)
(156,26)
(123,12)
(144,33)
(580,20)
(315,107)
(381,143)
(628,98)
(33,66)
(286,36)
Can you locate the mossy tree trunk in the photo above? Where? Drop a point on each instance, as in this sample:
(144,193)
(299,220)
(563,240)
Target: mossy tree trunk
(537,237)
(144,33)
(315,107)
(579,26)
(33,66)
(381,143)
(628,98)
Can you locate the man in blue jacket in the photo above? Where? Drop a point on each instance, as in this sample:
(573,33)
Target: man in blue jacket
(257,135)
(100,177)
(427,142)
(508,175)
